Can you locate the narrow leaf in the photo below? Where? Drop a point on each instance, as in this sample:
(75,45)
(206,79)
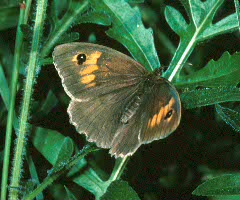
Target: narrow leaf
(120,190)
(226,25)
(4,90)
(99,18)
(231,117)
(176,20)
(70,195)
(91,182)
(223,72)
(8,17)
(222,185)
(210,96)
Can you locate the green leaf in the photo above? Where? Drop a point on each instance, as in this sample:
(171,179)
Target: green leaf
(56,148)
(226,25)
(128,29)
(120,190)
(4,90)
(176,20)
(225,197)
(91,182)
(210,96)
(200,28)
(96,17)
(69,37)
(222,185)
(59,6)
(8,17)
(45,108)
(231,117)
(135,1)
(223,72)
(70,195)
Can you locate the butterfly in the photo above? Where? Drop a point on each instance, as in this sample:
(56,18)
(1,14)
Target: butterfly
(115,101)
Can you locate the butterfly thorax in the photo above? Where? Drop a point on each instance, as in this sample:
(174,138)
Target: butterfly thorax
(147,86)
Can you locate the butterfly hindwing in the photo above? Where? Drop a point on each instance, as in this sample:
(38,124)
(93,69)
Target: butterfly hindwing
(157,115)
(163,112)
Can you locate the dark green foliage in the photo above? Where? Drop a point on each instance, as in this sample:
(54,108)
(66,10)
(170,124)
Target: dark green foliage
(201,158)
(120,190)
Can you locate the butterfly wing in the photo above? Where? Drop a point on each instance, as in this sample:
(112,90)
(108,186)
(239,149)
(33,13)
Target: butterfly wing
(164,112)
(158,116)
(89,70)
(100,118)
(100,81)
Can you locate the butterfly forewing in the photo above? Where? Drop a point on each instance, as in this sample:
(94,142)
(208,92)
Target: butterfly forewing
(88,71)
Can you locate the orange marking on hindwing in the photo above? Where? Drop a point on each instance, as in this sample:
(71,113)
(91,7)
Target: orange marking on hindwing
(89,70)
(88,79)
(154,120)
(160,116)
(171,102)
(149,122)
(157,118)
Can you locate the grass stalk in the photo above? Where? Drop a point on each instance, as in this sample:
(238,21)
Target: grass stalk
(28,90)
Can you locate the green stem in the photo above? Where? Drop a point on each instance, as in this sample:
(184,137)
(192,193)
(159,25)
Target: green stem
(28,90)
(238,12)
(184,56)
(55,175)
(10,120)
(63,26)
(118,169)
(186,46)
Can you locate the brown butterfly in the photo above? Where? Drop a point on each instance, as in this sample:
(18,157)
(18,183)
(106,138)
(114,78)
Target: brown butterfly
(115,101)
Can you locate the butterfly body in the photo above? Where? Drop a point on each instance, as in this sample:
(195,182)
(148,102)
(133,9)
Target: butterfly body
(115,101)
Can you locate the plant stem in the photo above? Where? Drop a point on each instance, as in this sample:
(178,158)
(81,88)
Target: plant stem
(63,26)
(28,90)
(10,120)
(238,12)
(186,46)
(118,169)
(55,175)
(186,53)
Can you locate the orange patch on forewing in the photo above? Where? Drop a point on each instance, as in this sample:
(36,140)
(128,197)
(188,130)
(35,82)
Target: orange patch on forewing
(89,70)
(74,59)
(90,85)
(88,79)
(92,58)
